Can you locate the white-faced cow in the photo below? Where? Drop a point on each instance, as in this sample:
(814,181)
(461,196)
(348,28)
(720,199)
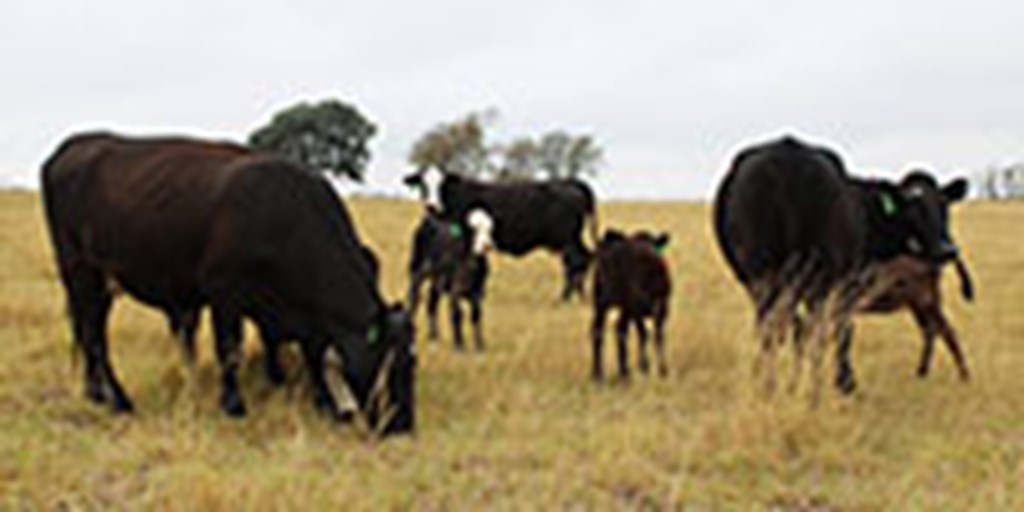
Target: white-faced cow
(796,229)
(180,224)
(631,275)
(527,215)
(452,258)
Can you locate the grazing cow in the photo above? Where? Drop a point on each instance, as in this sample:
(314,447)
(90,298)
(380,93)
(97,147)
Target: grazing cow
(180,224)
(631,275)
(914,284)
(184,322)
(527,216)
(796,229)
(455,264)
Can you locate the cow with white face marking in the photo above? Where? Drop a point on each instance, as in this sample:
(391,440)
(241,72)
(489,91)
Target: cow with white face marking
(452,257)
(526,215)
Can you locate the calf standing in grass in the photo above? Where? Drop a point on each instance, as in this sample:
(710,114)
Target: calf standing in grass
(631,275)
(913,284)
(452,257)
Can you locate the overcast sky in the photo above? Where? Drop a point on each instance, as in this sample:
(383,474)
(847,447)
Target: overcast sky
(670,89)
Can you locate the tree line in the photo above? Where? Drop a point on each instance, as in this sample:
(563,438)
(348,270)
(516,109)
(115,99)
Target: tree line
(333,136)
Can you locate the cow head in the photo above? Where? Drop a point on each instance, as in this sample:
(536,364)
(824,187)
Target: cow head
(428,183)
(923,207)
(481,224)
(396,339)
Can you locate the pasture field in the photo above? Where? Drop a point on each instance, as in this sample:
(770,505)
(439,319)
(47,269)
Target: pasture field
(521,426)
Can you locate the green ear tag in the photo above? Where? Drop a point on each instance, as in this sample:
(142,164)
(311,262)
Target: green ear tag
(373,335)
(888,204)
(455,230)
(660,249)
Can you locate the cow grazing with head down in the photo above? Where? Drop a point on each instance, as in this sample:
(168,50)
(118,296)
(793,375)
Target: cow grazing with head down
(527,215)
(180,224)
(796,229)
(631,275)
(183,323)
(452,258)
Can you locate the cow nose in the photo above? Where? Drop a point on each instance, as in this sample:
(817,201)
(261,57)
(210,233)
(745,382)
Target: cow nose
(947,251)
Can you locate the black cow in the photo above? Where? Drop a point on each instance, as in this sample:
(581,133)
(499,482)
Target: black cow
(796,229)
(527,215)
(631,275)
(452,258)
(180,224)
(183,323)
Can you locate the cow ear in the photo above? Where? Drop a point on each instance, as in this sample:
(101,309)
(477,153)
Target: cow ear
(955,190)
(413,180)
(661,242)
(612,235)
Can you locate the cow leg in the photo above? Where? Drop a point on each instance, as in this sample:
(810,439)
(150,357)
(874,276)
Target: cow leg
(90,304)
(476,316)
(184,324)
(433,301)
(272,356)
(933,322)
(766,301)
(846,379)
(597,342)
(455,311)
(659,342)
(313,352)
(799,335)
(926,324)
(413,295)
(953,344)
(641,332)
(575,259)
(818,342)
(622,337)
(227,327)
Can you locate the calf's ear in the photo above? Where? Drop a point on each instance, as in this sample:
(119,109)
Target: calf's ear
(955,190)
(612,235)
(413,180)
(661,242)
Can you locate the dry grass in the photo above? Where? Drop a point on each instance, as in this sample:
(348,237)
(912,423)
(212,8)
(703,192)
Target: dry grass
(521,426)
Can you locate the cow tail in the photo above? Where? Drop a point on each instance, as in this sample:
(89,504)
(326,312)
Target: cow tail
(595,227)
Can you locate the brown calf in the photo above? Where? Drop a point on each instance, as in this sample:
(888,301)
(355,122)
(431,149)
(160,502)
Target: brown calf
(632,276)
(911,283)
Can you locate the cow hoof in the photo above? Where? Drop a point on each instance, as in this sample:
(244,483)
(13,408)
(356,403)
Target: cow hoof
(346,416)
(95,395)
(847,385)
(233,406)
(123,405)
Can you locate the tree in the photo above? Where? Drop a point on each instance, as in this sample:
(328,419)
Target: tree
(328,136)
(520,160)
(563,156)
(457,147)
